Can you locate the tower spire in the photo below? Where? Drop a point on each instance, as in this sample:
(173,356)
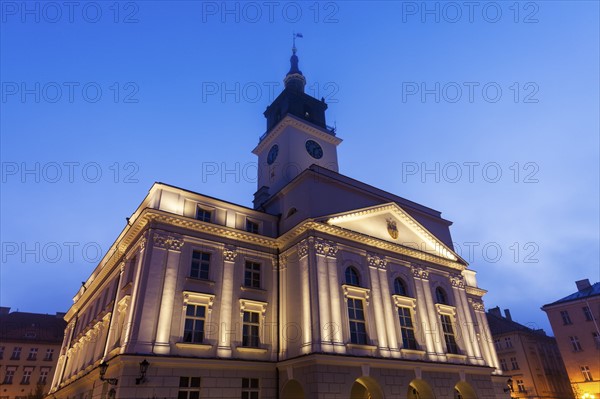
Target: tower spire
(294,78)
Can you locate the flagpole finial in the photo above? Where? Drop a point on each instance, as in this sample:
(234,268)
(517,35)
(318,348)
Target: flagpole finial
(294,36)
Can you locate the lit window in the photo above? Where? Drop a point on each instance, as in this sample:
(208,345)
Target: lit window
(250,329)
(251,227)
(195,316)
(49,354)
(514,363)
(44,371)
(503,365)
(26,375)
(407,328)
(451,345)
(508,342)
(440,296)
(521,386)
(250,388)
(9,375)
(575,344)
(16,355)
(203,214)
(200,265)
(356,316)
(400,287)
(565,317)
(189,388)
(32,354)
(252,275)
(587,313)
(352,277)
(587,374)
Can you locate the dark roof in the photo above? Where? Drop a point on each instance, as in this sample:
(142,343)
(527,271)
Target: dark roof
(594,290)
(34,327)
(501,325)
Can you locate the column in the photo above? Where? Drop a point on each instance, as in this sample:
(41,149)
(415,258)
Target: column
(388,309)
(283,310)
(485,336)
(226,328)
(435,348)
(461,319)
(375,262)
(302,249)
(322,249)
(134,308)
(335,302)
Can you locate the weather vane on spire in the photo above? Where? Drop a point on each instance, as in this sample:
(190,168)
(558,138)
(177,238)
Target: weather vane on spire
(294,36)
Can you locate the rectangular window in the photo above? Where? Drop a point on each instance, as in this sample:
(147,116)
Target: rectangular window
(203,214)
(26,375)
(451,345)
(250,329)
(407,328)
(358,326)
(508,342)
(16,355)
(32,354)
(49,354)
(588,313)
(195,316)
(250,388)
(497,344)
(514,363)
(521,386)
(251,227)
(252,275)
(9,375)
(575,344)
(587,374)
(44,371)
(200,265)
(596,337)
(565,317)
(1,352)
(503,365)
(189,388)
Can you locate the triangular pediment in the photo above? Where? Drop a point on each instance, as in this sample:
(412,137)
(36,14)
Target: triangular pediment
(390,222)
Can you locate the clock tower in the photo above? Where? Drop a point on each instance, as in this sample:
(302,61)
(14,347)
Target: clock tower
(296,137)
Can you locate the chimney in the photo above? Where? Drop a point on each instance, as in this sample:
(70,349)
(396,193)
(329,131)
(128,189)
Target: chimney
(495,311)
(583,284)
(507,313)
(4,310)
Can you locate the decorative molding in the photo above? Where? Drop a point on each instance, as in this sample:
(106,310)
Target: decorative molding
(168,241)
(352,291)
(283,261)
(199,298)
(326,248)
(477,305)
(229,253)
(376,261)
(302,248)
(478,292)
(420,272)
(457,281)
(405,301)
(252,306)
(445,309)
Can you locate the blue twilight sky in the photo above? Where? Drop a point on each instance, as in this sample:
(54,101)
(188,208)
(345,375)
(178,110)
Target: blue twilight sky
(486,111)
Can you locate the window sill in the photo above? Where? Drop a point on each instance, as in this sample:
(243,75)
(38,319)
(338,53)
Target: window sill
(412,351)
(191,345)
(249,349)
(456,356)
(252,289)
(200,280)
(361,346)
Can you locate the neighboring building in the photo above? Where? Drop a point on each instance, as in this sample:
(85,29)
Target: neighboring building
(530,358)
(575,323)
(29,348)
(329,288)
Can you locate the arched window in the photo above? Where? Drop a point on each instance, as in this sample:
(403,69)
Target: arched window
(400,287)
(440,296)
(352,276)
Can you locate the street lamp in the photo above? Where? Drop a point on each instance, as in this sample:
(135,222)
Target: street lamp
(103,367)
(143,369)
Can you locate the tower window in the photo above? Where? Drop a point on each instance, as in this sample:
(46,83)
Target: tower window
(352,277)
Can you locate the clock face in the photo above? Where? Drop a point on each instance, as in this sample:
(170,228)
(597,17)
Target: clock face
(314,149)
(272,156)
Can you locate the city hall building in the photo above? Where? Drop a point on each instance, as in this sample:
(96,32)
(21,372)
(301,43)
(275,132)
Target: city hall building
(327,288)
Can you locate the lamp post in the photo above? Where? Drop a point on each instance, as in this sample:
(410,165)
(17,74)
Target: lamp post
(143,369)
(103,367)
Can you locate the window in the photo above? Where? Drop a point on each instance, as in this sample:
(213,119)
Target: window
(508,342)
(250,389)
(565,317)
(440,296)
(16,355)
(514,363)
(352,276)
(44,371)
(251,227)
(250,329)
(9,375)
(587,374)
(503,365)
(49,354)
(575,344)
(32,354)
(193,332)
(497,344)
(407,329)
(200,265)
(203,214)
(26,375)
(400,287)
(451,345)
(587,313)
(252,275)
(596,339)
(356,316)
(521,386)
(189,388)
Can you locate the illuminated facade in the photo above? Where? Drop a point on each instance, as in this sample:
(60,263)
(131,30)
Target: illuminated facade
(530,358)
(328,288)
(575,322)
(29,348)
